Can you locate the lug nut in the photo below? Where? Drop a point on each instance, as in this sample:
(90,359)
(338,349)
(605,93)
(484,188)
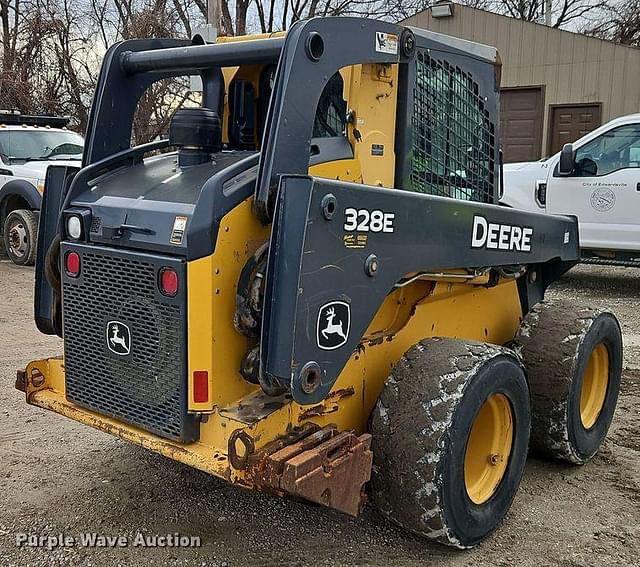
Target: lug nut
(494,459)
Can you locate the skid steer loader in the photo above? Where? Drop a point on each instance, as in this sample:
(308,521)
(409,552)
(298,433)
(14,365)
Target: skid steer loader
(308,288)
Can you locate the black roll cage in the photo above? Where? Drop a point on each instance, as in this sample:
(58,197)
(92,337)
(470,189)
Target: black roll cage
(131,67)
(312,52)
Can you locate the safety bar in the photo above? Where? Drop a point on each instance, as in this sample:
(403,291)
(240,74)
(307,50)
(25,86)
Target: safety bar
(195,57)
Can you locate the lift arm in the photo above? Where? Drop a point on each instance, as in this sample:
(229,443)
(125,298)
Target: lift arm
(333,260)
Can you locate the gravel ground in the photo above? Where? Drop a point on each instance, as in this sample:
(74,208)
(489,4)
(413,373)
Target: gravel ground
(58,477)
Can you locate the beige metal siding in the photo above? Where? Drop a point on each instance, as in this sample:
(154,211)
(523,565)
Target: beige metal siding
(574,68)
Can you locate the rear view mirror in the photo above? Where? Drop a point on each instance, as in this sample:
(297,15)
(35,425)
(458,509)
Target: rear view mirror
(567,160)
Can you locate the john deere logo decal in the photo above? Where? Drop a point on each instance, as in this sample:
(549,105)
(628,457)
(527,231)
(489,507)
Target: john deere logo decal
(118,338)
(496,236)
(332,329)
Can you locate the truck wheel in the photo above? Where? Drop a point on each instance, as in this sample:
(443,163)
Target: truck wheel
(573,358)
(20,236)
(450,436)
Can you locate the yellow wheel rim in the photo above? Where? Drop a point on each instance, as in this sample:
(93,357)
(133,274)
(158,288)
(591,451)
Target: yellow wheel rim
(594,386)
(488,448)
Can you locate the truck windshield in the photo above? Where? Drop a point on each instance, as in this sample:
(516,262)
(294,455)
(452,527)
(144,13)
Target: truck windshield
(30,145)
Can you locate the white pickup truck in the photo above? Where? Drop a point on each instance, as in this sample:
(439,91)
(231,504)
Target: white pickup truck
(597,179)
(28,146)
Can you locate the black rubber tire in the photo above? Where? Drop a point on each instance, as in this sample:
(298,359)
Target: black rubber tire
(29,221)
(420,428)
(555,341)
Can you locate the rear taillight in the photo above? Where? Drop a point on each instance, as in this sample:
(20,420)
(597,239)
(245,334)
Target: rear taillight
(72,264)
(169,282)
(200,386)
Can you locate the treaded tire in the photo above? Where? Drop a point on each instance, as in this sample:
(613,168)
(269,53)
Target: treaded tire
(420,428)
(28,221)
(555,341)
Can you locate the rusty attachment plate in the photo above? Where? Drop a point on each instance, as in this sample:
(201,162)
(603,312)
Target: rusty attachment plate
(21,380)
(327,467)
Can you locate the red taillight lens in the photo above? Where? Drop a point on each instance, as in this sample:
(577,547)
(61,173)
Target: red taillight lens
(200,386)
(72,264)
(169,281)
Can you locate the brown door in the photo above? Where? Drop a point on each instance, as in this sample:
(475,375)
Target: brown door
(568,123)
(521,113)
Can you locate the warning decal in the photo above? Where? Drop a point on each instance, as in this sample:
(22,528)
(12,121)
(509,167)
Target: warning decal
(179,227)
(386,43)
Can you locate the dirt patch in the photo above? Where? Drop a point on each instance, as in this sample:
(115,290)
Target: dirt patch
(58,477)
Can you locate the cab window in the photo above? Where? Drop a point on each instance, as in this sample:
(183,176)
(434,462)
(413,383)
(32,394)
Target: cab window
(617,149)
(329,136)
(331,114)
(453,150)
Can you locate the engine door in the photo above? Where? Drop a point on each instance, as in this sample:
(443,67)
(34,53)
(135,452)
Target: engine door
(603,191)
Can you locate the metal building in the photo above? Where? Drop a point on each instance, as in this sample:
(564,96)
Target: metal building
(556,85)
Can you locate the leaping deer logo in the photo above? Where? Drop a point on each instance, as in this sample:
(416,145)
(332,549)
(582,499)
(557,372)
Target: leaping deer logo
(332,328)
(334,321)
(118,337)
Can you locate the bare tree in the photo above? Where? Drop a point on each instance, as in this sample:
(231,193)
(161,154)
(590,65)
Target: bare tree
(620,22)
(51,49)
(146,19)
(71,50)
(563,12)
(28,81)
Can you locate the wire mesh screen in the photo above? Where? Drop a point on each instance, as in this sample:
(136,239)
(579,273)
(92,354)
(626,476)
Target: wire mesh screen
(147,386)
(453,136)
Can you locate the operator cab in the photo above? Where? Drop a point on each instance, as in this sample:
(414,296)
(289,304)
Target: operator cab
(248,103)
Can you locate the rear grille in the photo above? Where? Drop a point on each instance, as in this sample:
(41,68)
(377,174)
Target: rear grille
(146,387)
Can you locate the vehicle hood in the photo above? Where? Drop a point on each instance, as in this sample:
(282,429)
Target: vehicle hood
(525,166)
(517,174)
(38,169)
(520,183)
